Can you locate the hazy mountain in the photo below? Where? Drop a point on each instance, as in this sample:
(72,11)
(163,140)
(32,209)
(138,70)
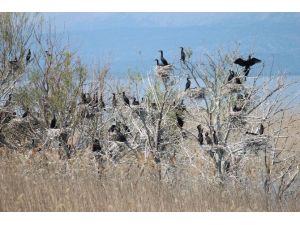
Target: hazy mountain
(131,40)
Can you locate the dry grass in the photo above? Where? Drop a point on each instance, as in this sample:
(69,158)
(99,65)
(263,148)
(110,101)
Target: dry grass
(45,183)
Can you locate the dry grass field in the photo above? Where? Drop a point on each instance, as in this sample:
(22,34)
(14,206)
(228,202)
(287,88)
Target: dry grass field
(43,182)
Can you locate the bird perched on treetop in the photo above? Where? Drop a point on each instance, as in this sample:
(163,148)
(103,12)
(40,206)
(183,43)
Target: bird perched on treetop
(114,100)
(188,84)
(247,63)
(157,62)
(180,121)
(53,122)
(135,102)
(216,142)
(200,134)
(163,60)
(126,100)
(261,129)
(208,139)
(182,55)
(28,56)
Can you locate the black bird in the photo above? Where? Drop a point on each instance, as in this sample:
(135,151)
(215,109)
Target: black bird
(157,62)
(216,142)
(7,103)
(28,56)
(53,122)
(14,62)
(200,134)
(251,133)
(96,146)
(114,100)
(154,105)
(25,114)
(237,80)
(102,104)
(231,75)
(188,84)
(135,102)
(182,55)
(236,108)
(126,100)
(180,121)
(162,59)
(86,98)
(261,129)
(247,63)
(121,137)
(208,139)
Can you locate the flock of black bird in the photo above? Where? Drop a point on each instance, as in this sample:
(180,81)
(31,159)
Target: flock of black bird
(87,99)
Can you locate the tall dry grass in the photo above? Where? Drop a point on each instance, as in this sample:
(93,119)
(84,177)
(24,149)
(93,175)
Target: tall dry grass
(45,183)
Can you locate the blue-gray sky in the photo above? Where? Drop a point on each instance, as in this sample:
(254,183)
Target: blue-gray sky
(131,40)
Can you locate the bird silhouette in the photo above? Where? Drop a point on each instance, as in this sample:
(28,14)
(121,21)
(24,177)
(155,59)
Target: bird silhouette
(216,142)
(135,102)
(180,121)
(208,139)
(231,76)
(236,108)
(25,114)
(157,62)
(114,100)
(126,100)
(53,122)
(96,146)
(102,104)
(200,134)
(28,56)
(162,59)
(188,84)
(247,63)
(227,166)
(182,55)
(261,129)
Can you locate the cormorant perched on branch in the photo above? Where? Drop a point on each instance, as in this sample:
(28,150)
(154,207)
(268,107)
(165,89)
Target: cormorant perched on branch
(247,63)
(14,62)
(231,75)
(96,146)
(261,129)
(157,62)
(28,56)
(126,100)
(200,134)
(135,102)
(25,114)
(188,84)
(208,139)
(86,98)
(182,55)
(216,142)
(180,121)
(53,122)
(163,60)
(114,100)
(102,104)
(236,108)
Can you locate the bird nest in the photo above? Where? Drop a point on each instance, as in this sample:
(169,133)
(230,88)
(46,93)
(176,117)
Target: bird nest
(164,71)
(232,88)
(18,131)
(253,143)
(198,93)
(237,119)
